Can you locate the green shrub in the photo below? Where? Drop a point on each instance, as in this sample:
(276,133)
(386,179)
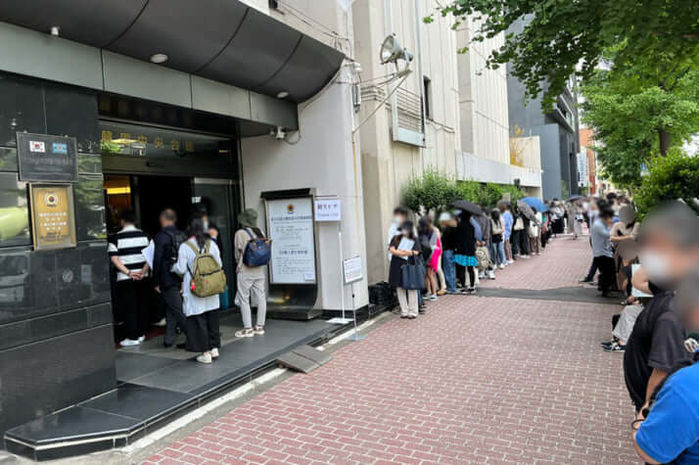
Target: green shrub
(673,177)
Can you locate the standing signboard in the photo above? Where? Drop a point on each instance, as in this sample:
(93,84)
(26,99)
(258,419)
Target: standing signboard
(53,219)
(352,269)
(46,158)
(290,226)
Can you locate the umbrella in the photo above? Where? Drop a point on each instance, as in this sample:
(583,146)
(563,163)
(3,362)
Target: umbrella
(468,207)
(537,203)
(574,197)
(526,210)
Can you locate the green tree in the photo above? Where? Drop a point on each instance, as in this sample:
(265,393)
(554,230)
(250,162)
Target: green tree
(637,114)
(431,191)
(547,41)
(670,178)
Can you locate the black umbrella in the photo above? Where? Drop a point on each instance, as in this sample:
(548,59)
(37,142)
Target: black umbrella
(468,207)
(526,210)
(574,197)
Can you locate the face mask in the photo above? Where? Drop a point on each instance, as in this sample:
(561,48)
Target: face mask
(397,219)
(655,265)
(457,212)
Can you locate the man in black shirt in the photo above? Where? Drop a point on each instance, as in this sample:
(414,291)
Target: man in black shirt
(167,284)
(669,251)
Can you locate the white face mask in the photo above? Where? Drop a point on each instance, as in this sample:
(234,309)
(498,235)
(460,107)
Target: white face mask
(457,212)
(655,266)
(398,219)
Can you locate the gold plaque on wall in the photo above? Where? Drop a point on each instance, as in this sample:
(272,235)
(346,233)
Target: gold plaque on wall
(53,217)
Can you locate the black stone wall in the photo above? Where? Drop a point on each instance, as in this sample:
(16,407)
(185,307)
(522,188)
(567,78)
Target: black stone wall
(56,343)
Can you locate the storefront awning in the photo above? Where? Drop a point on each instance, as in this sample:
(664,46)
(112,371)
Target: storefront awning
(223,40)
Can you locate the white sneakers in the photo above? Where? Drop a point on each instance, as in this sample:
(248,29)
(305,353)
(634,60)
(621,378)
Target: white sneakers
(259,330)
(502,266)
(491,274)
(205,358)
(245,333)
(162,323)
(214,353)
(130,342)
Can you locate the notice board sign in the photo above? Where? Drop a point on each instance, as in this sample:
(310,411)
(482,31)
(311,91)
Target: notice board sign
(290,226)
(45,158)
(352,268)
(53,218)
(328,210)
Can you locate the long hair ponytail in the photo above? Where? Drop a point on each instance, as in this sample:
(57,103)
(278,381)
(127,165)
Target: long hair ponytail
(196,229)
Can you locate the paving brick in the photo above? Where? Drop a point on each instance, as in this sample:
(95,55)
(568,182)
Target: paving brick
(477,380)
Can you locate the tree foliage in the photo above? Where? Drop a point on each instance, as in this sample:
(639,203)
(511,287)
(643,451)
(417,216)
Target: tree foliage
(673,177)
(635,118)
(547,41)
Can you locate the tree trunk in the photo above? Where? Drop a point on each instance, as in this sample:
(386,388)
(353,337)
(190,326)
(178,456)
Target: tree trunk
(664,140)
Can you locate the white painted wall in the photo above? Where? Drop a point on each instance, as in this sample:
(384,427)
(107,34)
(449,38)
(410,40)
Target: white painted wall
(323,160)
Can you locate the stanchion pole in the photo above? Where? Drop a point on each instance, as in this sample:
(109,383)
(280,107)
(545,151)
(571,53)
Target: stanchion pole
(343,320)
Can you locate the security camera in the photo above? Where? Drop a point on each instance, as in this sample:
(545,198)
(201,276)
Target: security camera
(279,133)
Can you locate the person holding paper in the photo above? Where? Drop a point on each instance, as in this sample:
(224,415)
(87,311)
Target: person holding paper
(403,246)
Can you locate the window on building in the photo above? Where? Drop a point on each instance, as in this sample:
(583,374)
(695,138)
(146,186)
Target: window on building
(427,95)
(274,4)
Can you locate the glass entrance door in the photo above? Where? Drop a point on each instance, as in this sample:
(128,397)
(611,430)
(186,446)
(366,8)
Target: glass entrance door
(217,196)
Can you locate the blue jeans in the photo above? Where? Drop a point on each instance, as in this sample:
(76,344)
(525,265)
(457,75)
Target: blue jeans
(449,270)
(497,252)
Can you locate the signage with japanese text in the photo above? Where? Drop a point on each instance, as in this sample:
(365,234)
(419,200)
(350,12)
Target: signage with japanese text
(352,268)
(44,158)
(327,210)
(290,226)
(53,219)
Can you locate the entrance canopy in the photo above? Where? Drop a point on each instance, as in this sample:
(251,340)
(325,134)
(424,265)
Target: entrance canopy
(222,40)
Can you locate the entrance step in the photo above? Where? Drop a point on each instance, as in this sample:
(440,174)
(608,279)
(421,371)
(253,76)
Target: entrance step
(304,359)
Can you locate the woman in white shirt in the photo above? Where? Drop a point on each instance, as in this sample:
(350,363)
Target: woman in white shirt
(203,333)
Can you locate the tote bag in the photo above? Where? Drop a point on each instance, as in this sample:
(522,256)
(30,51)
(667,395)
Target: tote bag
(413,275)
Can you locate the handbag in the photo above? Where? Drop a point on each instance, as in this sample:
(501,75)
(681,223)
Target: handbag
(413,275)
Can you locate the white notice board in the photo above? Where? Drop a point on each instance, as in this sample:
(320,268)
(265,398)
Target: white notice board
(290,226)
(352,268)
(327,210)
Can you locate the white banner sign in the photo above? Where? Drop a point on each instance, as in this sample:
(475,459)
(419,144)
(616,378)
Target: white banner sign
(290,223)
(327,210)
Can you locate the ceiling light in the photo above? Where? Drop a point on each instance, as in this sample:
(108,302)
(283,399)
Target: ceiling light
(283,94)
(159,58)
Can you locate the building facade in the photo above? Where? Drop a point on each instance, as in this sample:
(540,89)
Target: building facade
(417,128)
(234,105)
(490,150)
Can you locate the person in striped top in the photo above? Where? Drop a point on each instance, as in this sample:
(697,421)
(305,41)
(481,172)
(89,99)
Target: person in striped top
(131,290)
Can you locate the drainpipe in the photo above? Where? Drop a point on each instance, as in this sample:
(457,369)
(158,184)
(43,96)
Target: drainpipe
(420,76)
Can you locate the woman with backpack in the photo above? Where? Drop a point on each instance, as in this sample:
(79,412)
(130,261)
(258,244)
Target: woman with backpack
(199,257)
(251,276)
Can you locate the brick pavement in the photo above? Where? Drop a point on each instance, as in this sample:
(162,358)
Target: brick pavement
(478,380)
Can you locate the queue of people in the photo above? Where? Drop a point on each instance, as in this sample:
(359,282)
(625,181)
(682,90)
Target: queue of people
(453,254)
(185,276)
(654,265)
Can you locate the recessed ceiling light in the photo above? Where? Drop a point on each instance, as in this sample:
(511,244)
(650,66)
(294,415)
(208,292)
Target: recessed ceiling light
(159,58)
(283,94)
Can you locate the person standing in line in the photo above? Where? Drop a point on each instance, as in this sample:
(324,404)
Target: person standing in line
(166,283)
(498,245)
(522,235)
(602,250)
(465,252)
(432,250)
(407,298)
(203,331)
(131,292)
(449,240)
(508,222)
(251,279)
(400,216)
(534,233)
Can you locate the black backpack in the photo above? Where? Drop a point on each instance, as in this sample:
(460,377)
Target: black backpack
(177,238)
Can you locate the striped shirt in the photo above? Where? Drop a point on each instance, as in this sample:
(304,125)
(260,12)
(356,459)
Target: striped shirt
(127,245)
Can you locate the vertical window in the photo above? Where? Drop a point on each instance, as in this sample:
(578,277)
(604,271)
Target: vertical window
(427,95)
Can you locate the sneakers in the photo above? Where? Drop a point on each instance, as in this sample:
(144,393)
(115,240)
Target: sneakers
(491,274)
(510,262)
(130,342)
(214,353)
(249,332)
(141,338)
(430,298)
(259,330)
(160,323)
(614,347)
(205,358)
(469,291)
(526,257)
(501,266)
